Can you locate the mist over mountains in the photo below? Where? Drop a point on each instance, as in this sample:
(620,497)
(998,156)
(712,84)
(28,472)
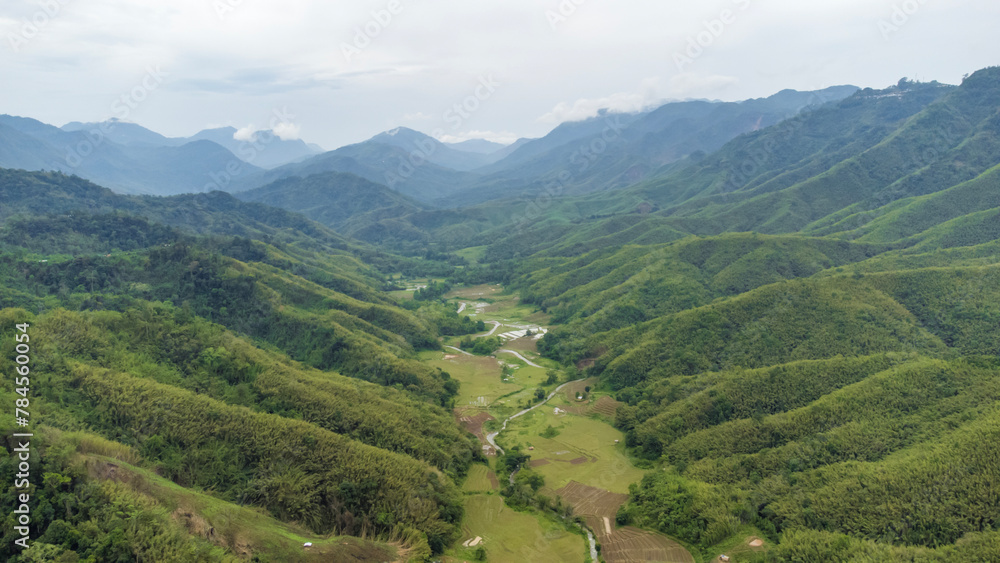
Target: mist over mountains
(604,152)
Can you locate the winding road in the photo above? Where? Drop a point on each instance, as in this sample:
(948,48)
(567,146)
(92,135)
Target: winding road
(522,358)
(491,437)
(496,325)
(459,350)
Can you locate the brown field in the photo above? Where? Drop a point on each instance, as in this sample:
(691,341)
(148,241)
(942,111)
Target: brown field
(538,462)
(528,344)
(473,420)
(632,545)
(622,545)
(578,386)
(605,406)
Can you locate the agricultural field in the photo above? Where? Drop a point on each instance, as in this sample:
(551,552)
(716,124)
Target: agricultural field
(572,445)
(496,305)
(481,479)
(514,537)
(584,450)
(411,285)
(483,383)
(619,544)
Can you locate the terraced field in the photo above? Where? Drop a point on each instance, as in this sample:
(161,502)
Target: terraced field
(481,479)
(619,545)
(582,457)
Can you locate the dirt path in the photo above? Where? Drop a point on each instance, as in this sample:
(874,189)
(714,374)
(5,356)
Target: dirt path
(461,307)
(491,437)
(460,351)
(496,325)
(522,358)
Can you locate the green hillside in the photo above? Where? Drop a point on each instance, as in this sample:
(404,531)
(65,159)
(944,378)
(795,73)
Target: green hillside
(796,335)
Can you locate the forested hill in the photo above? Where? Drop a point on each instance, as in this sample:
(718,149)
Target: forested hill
(845,169)
(802,329)
(828,381)
(267,369)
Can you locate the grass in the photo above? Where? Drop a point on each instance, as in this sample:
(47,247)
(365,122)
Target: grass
(514,537)
(479,480)
(473,254)
(481,378)
(607,466)
(503,307)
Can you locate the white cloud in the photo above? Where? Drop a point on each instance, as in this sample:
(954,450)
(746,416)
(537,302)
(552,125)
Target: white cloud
(248,133)
(622,102)
(695,85)
(233,68)
(502,137)
(287,131)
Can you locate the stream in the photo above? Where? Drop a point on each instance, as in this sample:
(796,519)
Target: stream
(491,438)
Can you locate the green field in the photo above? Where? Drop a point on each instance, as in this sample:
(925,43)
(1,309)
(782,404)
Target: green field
(607,466)
(479,480)
(514,537)
(481,378)
(503,307)
(473,254)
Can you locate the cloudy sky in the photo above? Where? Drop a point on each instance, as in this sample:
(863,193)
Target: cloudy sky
(339,72)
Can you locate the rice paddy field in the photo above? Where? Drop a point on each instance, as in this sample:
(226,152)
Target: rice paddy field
(508,536)
(584,450)
(481,479)
(570,439)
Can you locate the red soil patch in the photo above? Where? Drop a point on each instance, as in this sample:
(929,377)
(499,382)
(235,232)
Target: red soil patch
(578,461)
(538,462)
(494,482)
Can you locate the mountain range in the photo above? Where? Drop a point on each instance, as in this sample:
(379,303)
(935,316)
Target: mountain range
(787,307)
(605,152)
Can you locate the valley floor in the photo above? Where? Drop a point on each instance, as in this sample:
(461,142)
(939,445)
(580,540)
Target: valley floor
(570,439)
